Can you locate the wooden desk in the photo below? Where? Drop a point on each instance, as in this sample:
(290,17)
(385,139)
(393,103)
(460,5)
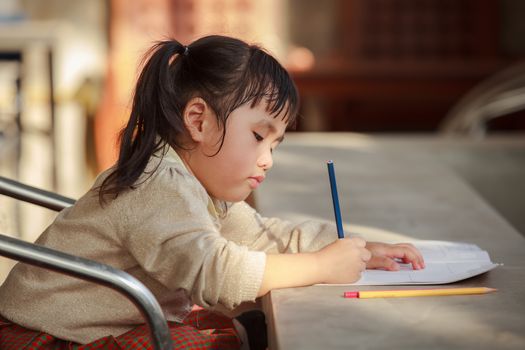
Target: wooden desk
(395,188)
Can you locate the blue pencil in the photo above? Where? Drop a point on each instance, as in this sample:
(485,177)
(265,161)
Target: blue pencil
(335,199)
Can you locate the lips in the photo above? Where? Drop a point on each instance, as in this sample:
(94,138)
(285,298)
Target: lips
(255,181)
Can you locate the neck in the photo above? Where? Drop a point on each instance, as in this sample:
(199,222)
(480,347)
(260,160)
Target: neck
(185,157)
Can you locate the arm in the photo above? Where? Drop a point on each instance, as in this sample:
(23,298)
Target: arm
(340,262)
(245,226)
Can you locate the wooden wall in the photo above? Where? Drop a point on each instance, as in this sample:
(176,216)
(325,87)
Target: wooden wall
(398,65)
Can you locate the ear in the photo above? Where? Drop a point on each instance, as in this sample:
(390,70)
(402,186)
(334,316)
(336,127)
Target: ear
(198,118)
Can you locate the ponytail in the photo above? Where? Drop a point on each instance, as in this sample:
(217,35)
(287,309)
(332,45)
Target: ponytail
(152,102)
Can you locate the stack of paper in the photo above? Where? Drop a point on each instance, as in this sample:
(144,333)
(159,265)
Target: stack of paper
(445,262)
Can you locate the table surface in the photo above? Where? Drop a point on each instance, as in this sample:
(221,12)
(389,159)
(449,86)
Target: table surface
(395,188)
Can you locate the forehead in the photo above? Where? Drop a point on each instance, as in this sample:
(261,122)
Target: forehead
(263,110)
(262,117)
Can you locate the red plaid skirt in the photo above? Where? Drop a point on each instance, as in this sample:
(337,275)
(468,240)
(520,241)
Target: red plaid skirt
(202,329)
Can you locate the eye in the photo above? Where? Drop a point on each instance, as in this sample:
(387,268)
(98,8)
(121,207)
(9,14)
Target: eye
(257,136)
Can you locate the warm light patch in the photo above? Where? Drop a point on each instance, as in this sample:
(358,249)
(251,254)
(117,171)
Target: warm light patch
(300,59)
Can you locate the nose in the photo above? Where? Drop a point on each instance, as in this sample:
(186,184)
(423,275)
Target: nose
(265,160)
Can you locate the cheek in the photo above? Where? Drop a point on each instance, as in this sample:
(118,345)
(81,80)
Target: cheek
(239,153)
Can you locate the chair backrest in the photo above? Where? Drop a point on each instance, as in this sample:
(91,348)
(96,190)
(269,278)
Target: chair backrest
(17,190)
(501,94)
(79,267)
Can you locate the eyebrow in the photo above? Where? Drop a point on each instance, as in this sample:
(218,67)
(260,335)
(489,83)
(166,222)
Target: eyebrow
(269,125)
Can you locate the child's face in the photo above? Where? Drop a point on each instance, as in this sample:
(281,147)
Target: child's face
(246,155)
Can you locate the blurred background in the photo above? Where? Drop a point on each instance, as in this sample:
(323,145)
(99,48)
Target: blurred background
(67,69)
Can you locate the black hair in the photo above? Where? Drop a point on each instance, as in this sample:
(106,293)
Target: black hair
(225,72)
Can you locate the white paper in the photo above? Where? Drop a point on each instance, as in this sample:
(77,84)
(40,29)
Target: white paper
(445,262)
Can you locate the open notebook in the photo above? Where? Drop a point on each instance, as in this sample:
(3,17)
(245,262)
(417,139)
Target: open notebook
(445,262)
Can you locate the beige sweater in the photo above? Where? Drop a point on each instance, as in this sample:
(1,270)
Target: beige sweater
(170,235)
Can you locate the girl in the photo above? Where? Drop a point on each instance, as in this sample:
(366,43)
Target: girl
(204,123)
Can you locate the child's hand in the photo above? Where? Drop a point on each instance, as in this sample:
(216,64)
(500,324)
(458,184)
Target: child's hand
(385,256)
(343,260)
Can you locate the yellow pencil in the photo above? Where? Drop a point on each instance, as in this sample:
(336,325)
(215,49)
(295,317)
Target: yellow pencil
(402,293)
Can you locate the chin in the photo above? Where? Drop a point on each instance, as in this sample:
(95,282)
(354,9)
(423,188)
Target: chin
(235,199)
(231,197)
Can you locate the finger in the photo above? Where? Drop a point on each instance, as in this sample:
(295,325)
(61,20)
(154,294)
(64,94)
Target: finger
(403,254)
(407,255)
(411,247)
(419,257)
(383,262)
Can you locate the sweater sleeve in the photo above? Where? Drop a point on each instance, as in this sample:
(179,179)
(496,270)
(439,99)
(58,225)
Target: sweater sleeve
(245,226)
(170,233)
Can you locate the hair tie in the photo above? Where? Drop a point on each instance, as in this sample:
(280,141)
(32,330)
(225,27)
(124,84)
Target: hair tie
(185,53)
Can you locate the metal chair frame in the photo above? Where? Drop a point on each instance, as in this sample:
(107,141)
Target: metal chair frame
(501,94)
(78,267)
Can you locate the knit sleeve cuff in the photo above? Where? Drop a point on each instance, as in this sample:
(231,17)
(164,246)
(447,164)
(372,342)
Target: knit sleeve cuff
(249,279)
